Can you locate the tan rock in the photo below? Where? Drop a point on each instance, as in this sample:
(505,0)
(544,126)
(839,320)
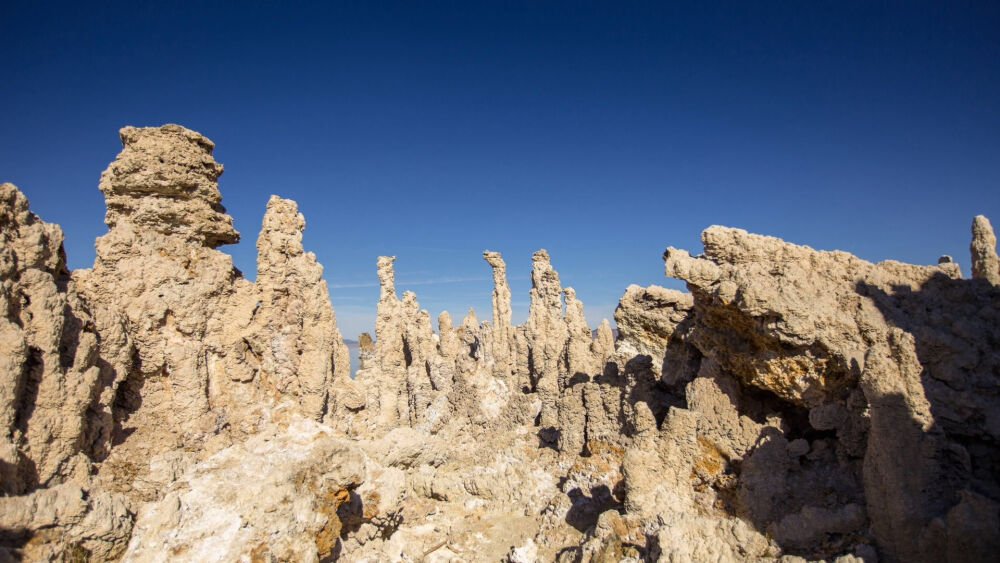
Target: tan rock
(603,346)
(797,404)
(49,375)
(294,331)
(579,366)
(647,320)
(985,263)
(65,522)
(546,334)
(180,305)
(275,496)
(503,332)
(164,182)
(812,326)
(388,322)
(448,345)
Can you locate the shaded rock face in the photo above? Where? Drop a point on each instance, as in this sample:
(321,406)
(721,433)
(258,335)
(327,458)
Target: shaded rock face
(652,320)
(985,264)
(880,379)
(795,404)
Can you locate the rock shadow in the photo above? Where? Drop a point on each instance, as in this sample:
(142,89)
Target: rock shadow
(938,485)
(128,400)
(586,509)
(12,541)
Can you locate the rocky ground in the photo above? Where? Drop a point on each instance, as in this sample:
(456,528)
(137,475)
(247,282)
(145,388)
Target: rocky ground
(795,405)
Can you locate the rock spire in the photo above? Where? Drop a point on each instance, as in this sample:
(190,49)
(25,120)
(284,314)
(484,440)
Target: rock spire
(985,264)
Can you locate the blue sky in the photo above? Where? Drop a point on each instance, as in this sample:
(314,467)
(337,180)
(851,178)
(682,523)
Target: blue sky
(603,132)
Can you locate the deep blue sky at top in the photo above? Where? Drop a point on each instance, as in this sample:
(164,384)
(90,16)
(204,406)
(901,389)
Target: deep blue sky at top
(601,131)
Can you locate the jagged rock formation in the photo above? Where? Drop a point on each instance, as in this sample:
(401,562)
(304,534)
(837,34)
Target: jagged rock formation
(795,404)
(164,183)
(871,372)
(985,263)
(504,350)
(191,350)
(294,329)
(546,333)
(48,356)
(162,353)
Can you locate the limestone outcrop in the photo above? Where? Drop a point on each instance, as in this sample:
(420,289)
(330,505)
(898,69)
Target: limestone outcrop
(546,334)
(504,349)
(795,405)
(881,358)
(164,182)
(985,263)
(280,495)
(294,331)
(51,410)
(650,320)
(162,353)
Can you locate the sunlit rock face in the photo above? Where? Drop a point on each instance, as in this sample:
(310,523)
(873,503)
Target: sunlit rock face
(793,404)
(49,370)
(193,351)
(165,181)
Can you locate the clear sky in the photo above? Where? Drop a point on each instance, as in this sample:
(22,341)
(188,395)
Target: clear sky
(603,132)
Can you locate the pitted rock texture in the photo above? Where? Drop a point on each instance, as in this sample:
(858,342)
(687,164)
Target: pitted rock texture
(899,360)
(648,319)
(294,329)
(51,410)
(547,334)
(985,263)
(165,181)
(795,405)
(166,303)
(64,522)
(275,496)
(191,350)
(504,349)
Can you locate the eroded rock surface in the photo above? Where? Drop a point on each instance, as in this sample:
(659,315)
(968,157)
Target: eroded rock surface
(52,410)
(985,263)
(274,496)
(795,405)
(881,383)
(294,329)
